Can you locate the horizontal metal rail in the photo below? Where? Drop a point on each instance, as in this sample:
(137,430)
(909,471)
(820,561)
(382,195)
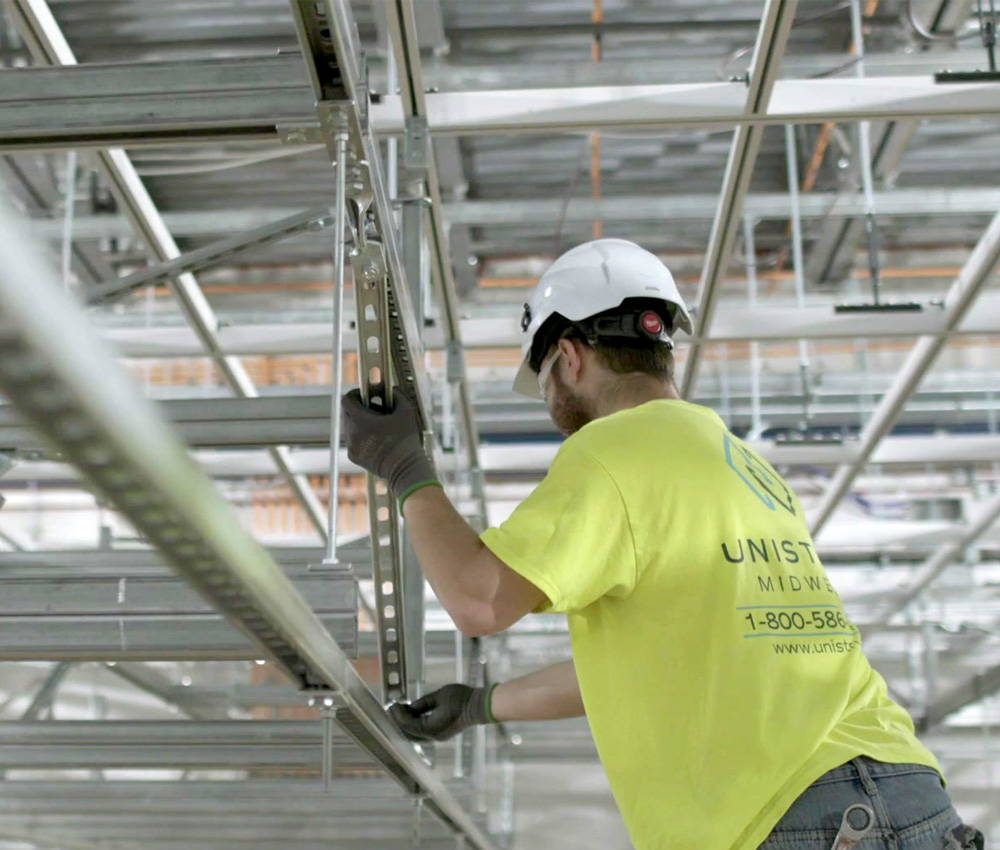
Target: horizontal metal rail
(290,117)
(402,25)
(154,744)
(928,200)
(48,363)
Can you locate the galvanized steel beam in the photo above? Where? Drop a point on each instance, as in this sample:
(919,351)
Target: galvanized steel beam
(69,744)
(289,117)
(402,24)
(388,324)
(776,24)
(891,203)
(47,613)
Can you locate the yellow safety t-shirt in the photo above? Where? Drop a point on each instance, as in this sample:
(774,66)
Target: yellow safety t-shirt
(719,673)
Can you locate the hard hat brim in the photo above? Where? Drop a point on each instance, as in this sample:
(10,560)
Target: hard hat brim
(526,381)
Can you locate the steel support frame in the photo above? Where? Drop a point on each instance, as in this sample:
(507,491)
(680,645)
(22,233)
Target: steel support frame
(534,456)
(388,332)
(48,46)
(402,26)
(974,277)
(193,744)
(278,78)
(115,437)
(419,168)
(776,24)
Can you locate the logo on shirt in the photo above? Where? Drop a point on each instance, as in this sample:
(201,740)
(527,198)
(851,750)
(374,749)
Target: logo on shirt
(753,472)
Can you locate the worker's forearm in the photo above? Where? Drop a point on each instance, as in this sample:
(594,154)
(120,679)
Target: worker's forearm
(549,694)
(446,546)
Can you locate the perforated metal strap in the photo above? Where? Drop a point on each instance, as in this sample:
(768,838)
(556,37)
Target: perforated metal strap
(376,373)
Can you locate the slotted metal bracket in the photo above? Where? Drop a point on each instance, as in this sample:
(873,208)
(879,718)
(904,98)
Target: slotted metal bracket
(376,374)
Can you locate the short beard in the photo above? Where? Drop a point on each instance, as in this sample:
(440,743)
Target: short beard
(569,411)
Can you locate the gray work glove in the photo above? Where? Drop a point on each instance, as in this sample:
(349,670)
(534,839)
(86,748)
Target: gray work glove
(388,445)
(443,713)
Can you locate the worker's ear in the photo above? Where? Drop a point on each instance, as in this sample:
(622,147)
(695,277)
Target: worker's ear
(571,351)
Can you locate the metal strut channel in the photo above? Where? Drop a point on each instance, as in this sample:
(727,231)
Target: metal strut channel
(48,362)
(388,338)
(402,24)
(376,378)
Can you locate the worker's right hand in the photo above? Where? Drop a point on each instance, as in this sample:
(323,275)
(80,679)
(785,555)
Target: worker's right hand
(443,713)
(388,444)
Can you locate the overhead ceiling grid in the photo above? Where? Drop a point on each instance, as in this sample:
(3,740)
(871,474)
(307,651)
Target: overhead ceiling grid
(210,210)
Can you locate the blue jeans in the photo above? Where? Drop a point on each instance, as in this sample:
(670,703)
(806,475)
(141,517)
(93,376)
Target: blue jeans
(912,810)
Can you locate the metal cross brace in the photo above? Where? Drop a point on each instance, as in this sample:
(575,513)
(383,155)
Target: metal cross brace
(213,254)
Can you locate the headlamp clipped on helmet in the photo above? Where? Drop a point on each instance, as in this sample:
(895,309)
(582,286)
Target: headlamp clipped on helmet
(624,326)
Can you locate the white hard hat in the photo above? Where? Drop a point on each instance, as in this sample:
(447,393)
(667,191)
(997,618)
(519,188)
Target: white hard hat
(590,279)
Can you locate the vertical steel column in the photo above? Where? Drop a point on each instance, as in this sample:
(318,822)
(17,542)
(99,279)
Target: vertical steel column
(401,19)
(416,151)
(416,154)
(865,155)
(390,351)
(800,286)
(772,37)
(337,364)
(68,212)
(377,381)
(756,421)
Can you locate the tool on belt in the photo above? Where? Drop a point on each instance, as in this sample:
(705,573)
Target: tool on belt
(857,823)
(964,838)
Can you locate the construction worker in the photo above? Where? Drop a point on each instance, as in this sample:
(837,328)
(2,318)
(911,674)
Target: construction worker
(727,693)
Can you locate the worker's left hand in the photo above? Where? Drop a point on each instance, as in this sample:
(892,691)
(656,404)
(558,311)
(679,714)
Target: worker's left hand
(443,713)
(388,445)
